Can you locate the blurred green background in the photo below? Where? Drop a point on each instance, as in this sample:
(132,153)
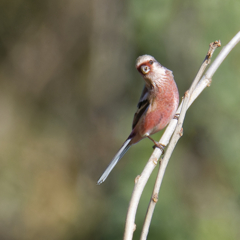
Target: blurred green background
(68,92)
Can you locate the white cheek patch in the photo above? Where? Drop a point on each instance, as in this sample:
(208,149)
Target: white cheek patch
(159,70)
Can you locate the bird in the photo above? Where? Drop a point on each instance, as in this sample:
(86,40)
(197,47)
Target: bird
(157,106)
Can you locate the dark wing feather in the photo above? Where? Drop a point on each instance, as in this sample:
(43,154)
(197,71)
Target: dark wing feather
(143,96)
(143,105)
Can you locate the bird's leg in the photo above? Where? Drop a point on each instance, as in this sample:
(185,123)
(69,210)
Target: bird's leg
(157,144)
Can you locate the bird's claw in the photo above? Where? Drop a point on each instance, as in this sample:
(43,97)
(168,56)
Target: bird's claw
(176,116)
(160,146)
(157,144)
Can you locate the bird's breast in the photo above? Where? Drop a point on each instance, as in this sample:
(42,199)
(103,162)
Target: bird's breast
(161,110)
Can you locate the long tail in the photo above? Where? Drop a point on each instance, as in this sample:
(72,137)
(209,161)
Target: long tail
(115,160)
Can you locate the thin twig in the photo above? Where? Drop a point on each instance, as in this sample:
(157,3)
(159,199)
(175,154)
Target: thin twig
(176,136)
(143,178)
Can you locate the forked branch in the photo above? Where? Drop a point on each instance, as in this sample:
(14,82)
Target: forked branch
(174,128)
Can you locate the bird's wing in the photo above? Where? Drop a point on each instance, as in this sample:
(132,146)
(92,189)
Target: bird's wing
(143,105)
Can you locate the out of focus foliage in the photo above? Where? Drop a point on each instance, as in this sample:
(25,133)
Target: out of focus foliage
(68,91)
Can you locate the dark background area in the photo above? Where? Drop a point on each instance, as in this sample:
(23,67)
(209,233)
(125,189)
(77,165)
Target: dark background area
(68,92)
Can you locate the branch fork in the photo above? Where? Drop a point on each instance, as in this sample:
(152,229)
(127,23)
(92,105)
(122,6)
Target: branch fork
(170,137)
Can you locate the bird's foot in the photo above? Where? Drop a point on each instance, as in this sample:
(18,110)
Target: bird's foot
(160,146)
(157,144)
(176,116)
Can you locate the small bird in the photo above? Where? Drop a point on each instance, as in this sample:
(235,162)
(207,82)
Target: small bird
(157,106)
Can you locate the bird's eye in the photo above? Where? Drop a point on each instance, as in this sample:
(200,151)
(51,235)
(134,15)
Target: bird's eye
(145,69)
(151,62)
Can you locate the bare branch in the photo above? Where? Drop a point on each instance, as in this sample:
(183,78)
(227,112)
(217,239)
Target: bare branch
(141,180)
(176,136)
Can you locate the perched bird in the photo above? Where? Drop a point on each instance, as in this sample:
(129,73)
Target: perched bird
(157,106)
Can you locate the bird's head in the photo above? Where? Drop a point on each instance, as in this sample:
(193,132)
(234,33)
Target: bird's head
(150,69)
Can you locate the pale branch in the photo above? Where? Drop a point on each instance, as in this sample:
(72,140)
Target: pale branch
(206,79)
(176,136)
(141,180)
